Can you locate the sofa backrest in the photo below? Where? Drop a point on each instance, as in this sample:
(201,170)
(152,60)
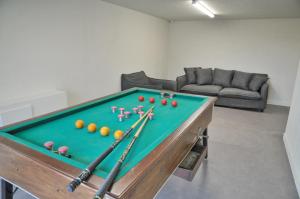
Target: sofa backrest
(137,77)
(242,80)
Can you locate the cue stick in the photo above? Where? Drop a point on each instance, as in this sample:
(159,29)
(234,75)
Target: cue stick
(114,172)
(86,173)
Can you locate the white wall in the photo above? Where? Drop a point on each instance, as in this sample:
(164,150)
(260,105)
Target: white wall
(80,46)
(292,133)
(269,46)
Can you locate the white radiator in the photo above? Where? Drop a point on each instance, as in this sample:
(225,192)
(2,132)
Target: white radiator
(15,114)
(25,108)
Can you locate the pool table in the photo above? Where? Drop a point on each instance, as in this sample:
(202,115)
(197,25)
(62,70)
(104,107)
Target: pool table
(163,144)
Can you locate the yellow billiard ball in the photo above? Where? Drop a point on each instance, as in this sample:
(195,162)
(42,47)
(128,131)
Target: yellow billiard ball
(104,131)
(118,134)
(79,124)
(92,127)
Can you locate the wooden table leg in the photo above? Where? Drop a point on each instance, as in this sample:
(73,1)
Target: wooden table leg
(6,190)
(205,138)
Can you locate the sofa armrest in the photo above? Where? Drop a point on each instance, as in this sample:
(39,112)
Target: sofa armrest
(264,91)
(166,84)
(181,82)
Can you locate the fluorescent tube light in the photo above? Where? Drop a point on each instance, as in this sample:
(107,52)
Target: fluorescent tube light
(203,8)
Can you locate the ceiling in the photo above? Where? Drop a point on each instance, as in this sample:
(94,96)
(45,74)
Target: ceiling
(224,9)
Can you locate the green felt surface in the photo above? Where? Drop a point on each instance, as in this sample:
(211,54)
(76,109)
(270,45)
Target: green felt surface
(85,147)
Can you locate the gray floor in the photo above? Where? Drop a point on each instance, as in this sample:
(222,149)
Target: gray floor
(247,160)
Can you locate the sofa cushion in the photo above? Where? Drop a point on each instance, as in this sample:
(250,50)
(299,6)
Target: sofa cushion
(204,76)
(241,80)
(191,75)
(257,81)
(239,93)
(202,89)
(222,77)
(137,77)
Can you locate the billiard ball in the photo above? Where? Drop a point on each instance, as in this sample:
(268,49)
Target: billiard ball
(174,103)
(79,124)
(151,100)
(118,134)
(104,131)
(164,102)
(141,98)
(92,127)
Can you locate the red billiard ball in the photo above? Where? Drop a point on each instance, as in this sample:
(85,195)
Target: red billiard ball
(164,102)
(174,103)
(152,100)
(141,98)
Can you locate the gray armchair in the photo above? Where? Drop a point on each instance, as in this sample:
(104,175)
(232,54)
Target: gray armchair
(140,79)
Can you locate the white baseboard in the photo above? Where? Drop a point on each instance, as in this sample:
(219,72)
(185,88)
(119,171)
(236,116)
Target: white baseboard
(279,102)
(294,169)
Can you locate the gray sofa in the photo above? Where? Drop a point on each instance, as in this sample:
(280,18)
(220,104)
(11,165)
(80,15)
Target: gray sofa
(233,88)
(140,79)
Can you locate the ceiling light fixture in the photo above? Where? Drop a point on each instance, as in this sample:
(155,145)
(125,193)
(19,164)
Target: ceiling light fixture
(203,8)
